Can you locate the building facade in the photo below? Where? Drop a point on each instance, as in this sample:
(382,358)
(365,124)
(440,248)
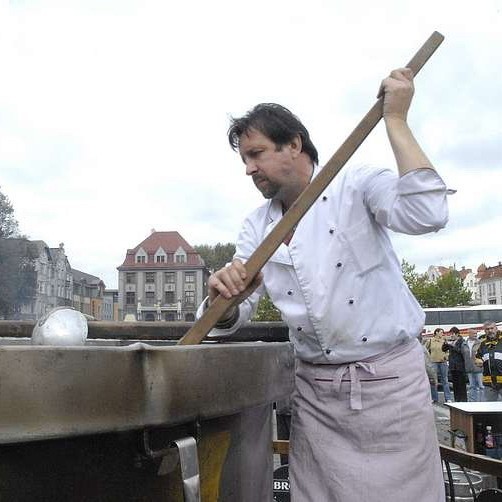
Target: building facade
(88,294)
(471,283)
(54,281)
(490,284)
(162,279)
(111,310)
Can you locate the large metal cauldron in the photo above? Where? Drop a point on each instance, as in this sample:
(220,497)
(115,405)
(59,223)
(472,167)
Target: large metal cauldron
(98,423)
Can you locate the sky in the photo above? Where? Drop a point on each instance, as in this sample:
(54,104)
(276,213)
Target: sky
(113,114)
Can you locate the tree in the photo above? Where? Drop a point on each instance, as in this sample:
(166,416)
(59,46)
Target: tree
(18,275)
(8,224)
(449,291)
(267,311)
(446,291)
(216,257)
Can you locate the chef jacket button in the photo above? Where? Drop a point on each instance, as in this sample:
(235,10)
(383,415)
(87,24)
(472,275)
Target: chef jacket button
(364,339)
(331,230)
(299,328)
(351,302)
(324,197)
(328,351)
(339,264)
(290,292)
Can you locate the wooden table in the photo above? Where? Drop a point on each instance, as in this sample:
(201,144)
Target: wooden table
(465,416)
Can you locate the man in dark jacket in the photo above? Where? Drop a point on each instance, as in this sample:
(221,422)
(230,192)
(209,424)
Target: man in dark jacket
(456,364)
(490,352)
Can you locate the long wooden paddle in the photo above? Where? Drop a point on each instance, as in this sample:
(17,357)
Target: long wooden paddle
(316,187)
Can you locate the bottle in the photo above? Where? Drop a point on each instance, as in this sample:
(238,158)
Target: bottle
(489,443)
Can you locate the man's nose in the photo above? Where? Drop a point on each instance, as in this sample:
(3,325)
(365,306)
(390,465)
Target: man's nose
(251,167)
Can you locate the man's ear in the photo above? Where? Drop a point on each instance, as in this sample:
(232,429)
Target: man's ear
(296,146)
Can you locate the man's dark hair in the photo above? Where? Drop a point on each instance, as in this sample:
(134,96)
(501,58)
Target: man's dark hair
(455,330)
(277,123)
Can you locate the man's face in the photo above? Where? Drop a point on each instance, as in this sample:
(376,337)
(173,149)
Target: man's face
(271,167)
(491,330)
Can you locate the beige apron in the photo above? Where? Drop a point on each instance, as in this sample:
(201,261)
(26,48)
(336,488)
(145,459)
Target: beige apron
(365,431)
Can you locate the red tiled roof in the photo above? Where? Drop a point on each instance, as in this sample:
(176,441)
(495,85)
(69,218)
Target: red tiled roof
(446,270)
(443,270)
(463,273)
(170,242)
(485,272)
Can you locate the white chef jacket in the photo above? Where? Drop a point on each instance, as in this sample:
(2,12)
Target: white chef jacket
(338,284)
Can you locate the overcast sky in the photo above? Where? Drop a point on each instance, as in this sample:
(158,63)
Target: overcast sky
(113,115)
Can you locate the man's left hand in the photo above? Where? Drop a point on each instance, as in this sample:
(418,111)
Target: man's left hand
(398,91)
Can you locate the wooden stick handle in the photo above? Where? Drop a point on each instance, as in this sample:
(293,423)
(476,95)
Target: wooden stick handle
(291,218)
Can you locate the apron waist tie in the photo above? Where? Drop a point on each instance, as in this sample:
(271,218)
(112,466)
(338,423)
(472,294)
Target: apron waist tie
(355,384)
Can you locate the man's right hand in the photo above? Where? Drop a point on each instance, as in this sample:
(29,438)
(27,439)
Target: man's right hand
(229,282)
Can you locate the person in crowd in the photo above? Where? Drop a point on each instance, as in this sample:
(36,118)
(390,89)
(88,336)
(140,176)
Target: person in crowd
(429,369)
(435,348)
(473,368)
(456,365)
(490,354)
(361,385)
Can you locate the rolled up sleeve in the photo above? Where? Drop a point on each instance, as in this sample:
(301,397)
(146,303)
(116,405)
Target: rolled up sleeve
(414,204)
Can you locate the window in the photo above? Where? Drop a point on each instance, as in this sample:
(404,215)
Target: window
(190,277)
(470,317)
(161,259)
(130,298)
(140,259)
(169,296)
(169,276)
(432,318)
(450,317)
(190,297)
(130,277)
(180,258)
(150,277)
(149,298)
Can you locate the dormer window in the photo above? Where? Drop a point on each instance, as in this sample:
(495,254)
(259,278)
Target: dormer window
(180,256)
(141,256)
(160,256)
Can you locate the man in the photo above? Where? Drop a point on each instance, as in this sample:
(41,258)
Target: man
(490,353)
(438,358)
(473,368)
(362,424)
(429,367)
(456,364)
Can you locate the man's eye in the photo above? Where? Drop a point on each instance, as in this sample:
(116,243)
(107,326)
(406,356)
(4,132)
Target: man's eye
(255,153)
